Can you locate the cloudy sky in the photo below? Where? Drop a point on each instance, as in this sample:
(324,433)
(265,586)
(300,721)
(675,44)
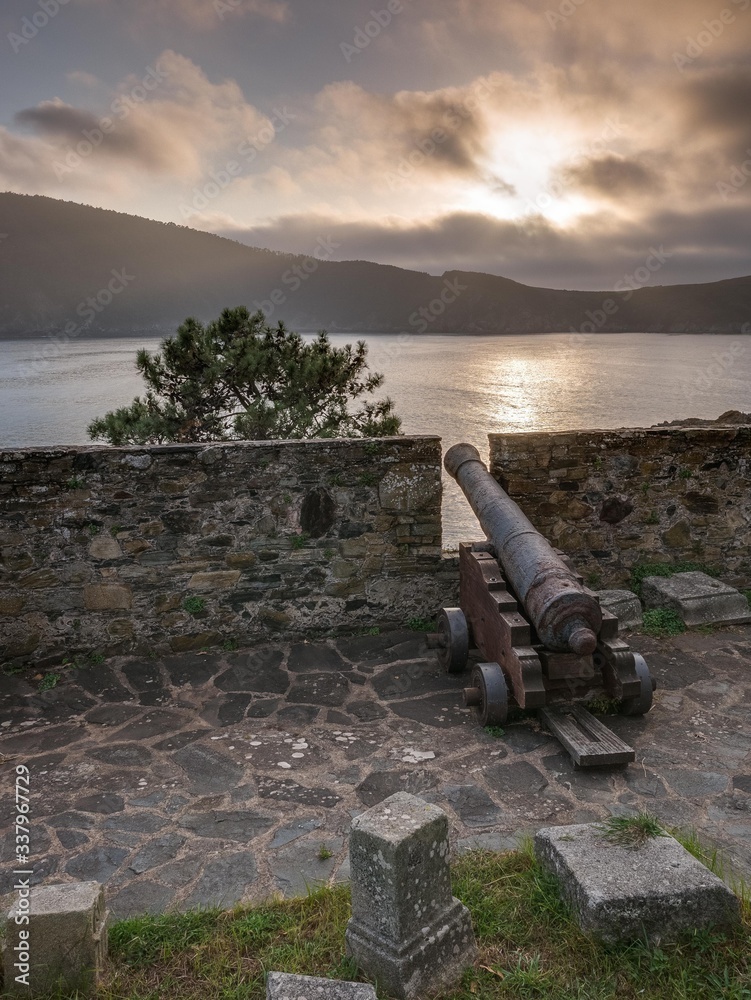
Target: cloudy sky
(557,142)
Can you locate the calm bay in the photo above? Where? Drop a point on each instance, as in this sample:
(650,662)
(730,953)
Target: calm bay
(458,387)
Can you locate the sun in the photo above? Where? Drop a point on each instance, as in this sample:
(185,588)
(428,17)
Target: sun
(523,179)
(561,209)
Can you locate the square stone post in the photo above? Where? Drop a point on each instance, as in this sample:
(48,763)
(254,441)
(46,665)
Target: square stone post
(55,939)
(407,931)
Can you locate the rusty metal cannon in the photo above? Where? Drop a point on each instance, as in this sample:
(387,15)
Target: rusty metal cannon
(546,641)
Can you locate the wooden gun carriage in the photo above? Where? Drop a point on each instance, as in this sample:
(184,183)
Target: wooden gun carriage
(546,641)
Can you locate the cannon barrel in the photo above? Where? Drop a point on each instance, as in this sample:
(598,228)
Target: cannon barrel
(565,617)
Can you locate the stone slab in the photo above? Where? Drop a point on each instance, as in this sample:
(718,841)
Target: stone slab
(407,931)
(66,935)
(697,598)
(284,986)
(617,893)
(624,604)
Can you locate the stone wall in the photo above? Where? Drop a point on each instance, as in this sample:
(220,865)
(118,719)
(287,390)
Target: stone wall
(165,549)
(614,499)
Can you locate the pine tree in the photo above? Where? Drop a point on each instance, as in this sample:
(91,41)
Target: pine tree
(239,378)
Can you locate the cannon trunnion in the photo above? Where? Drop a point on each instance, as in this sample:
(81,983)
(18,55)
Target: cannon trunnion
(546,642)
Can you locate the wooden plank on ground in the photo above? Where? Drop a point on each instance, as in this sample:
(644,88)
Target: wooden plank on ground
(587,740)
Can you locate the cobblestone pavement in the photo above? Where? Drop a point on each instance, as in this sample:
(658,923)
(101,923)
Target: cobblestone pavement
(205,779)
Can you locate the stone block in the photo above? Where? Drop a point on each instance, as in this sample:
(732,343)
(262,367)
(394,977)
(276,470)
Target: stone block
(107,597)
(622,893)
(223,579)
(39,580)
(407,931)
(407,488)
(105,547)
(66,939)
(11,605)
(697,598)
(678,536)
(624,604)
(283,986)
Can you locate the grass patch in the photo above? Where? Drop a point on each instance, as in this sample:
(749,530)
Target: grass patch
(421,624)
(49,681)
(604,706)
(210,954)
(631,831)
(194,605)
(530,948)
(80,660)
(495,731)
(642,570)
(662,622)
(712,859)
(298,541)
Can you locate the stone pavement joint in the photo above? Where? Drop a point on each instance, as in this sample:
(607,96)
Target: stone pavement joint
(197,780)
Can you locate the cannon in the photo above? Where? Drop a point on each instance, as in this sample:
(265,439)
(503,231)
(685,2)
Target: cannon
(545,641)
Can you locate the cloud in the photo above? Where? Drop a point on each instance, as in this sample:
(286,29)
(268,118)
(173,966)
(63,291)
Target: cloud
(719,99)
(364,144)
(56,119)
(612,176)
(594,255)
(171,121)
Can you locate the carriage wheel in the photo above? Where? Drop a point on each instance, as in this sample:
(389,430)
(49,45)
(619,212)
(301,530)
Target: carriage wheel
(453,640)
(488,694)
(642,703)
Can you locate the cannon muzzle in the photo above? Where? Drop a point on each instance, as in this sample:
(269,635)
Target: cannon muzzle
(565,618)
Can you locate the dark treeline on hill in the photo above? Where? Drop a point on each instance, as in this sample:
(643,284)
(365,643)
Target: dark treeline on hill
(67,266)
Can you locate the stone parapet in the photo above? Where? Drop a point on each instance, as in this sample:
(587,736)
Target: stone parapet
(615,499)
(105,551)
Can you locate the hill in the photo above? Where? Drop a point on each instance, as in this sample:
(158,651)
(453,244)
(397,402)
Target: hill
(58,258)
